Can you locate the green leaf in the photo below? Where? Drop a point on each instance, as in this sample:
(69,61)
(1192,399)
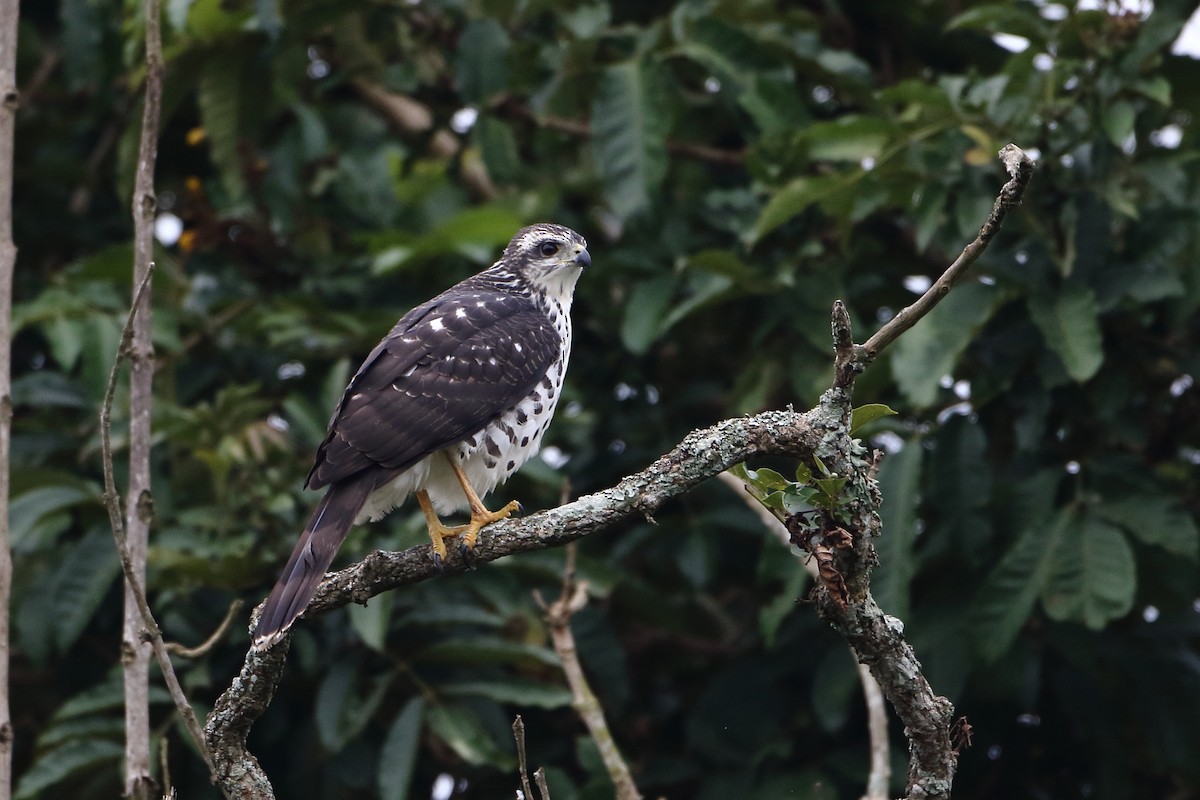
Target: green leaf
(77,755)
(769,479)
(83,578)
(219,97)
(868,413)
(848,138)
(513,691)
(28,508)
(1070,325)
(834,687)
(398,754)
(1002,18)
(488,650)
(481,67)
(1118,122)
(644,313)
(1159,520)
(629,126)
(931,348)
(899,485)
(498,146)
(791,200)
(370,621)
(466,736)
(1009,592)
(341,713)
(212,21)
(1093,577)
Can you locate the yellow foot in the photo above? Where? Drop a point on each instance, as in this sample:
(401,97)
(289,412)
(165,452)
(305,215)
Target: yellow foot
(481,517)
(439,531)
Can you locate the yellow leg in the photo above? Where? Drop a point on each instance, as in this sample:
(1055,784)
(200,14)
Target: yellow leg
(480,516)
(438,531)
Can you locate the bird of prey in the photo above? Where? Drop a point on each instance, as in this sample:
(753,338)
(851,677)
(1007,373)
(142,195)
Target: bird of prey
(454,399)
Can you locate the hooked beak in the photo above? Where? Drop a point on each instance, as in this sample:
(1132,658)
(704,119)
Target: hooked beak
(583,259)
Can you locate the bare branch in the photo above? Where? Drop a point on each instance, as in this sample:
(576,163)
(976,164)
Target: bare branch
(112,502)
(518,727)
(9,99)
(1020,170)
(539,778)
(135,654)
(177,649)
(558,618)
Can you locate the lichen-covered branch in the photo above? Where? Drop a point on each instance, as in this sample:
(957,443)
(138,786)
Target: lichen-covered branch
(701,455)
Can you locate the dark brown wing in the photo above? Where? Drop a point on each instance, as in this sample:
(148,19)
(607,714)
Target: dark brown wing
(444,371)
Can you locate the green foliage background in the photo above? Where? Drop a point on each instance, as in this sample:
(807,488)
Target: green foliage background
(748,163)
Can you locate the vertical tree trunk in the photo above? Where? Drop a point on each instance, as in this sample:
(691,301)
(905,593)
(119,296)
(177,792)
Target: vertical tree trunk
(9,10)
(135,650)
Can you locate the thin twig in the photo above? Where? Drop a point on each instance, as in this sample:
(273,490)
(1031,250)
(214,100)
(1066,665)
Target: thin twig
(112,502)
(571,599)
(539,778)
(174,648)
(518,727)
(9,100)
(1020,170)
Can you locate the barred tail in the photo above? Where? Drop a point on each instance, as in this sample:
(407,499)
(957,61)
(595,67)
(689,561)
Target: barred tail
(322,537)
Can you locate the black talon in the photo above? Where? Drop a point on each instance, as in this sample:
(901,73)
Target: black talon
(437,562)
(468,555)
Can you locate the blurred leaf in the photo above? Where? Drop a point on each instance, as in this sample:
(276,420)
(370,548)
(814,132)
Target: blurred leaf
(81,581)
(834,687)
(28,508)
(219,98)
(1070,325)
(1007,596)
(1093,578)
(512,691)
(462,731)
(481,68)
(60,763)
(398,753)
(630,121)
(849,138)
(931,348)
(487,650)
(899,483)
(644,313)
(1158,520)
(1118,122)
(370,621)
(341,712)
(1002,18)
(791,200)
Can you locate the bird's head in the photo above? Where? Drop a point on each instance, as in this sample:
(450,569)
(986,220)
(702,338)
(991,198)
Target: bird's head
(550,257)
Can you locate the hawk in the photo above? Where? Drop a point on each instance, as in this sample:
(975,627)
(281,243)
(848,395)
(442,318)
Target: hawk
(454,399)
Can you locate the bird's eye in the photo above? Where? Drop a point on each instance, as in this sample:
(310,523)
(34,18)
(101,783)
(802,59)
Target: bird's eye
(548,248)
